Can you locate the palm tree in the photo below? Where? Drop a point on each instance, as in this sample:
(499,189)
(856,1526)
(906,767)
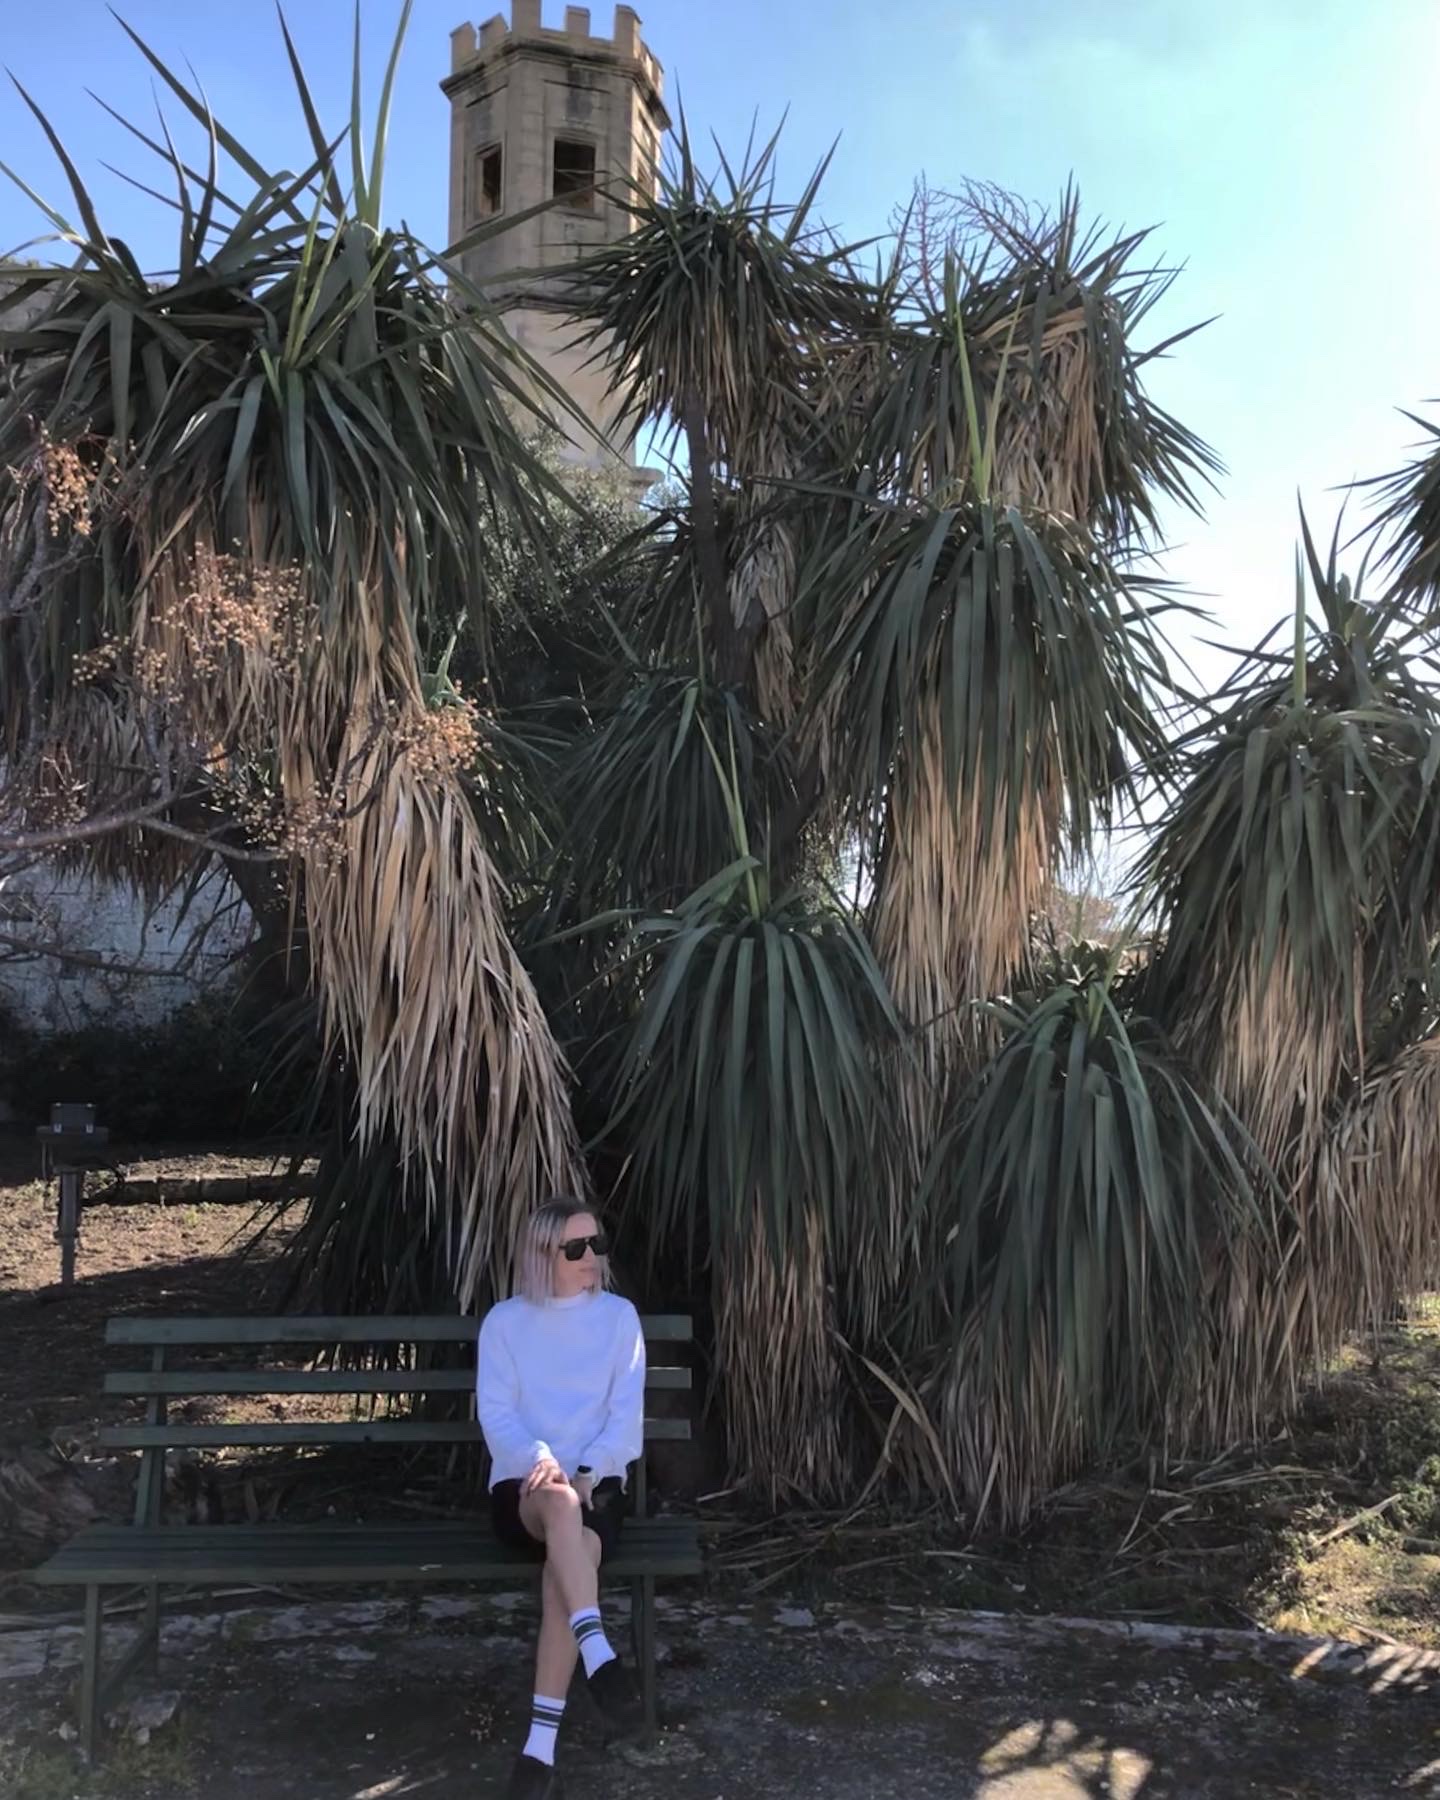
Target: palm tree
(235,499)
(955,1210)
(903,571)
(1295,878)
(997,661)
(1085,1194)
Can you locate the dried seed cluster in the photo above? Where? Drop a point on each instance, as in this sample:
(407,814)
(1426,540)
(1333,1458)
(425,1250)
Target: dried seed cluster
(232,604)
(440,740)
(95,664)
(67,487)
(57,795)
(309,826)
(228,605)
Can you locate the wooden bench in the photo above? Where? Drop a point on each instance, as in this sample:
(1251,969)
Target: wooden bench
(150,1553)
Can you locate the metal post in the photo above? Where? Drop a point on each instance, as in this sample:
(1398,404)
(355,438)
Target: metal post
(70,1143)
(90,1672)
(68,1225)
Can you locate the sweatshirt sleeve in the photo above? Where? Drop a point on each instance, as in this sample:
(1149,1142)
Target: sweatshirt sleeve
(497,1395)
(622,1437)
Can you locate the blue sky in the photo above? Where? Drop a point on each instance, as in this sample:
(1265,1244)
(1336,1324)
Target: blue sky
(1284,149)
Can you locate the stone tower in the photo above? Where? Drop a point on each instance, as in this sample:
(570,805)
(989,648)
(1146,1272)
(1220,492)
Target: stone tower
(539,114)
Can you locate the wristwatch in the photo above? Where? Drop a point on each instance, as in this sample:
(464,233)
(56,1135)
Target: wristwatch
(585,1469)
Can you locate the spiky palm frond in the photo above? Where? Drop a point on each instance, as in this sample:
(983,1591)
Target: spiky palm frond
(717,297)
(648,795)
(1028,336)
(994,690)
(301,407)
(750,1061)
(750,1097)
(1295,873)
(1408,522)
(1083,1186)
(715,313)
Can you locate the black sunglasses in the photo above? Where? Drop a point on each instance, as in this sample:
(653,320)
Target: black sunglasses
(574,1248)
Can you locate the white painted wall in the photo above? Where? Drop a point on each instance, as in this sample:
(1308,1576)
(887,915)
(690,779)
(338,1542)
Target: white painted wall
(113,923)
(109,921)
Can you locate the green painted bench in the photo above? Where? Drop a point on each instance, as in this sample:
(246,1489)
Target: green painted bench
(151,1554)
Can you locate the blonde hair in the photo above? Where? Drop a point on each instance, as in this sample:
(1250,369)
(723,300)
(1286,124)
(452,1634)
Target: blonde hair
(542,1237)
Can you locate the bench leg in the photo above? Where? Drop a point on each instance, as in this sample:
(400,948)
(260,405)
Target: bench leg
(150,1628)
(90,1673)
(645,1655)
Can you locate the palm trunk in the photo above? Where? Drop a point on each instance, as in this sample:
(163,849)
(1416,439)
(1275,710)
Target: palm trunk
(731,648)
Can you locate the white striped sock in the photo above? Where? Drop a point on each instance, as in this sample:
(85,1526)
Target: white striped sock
(545,1715)
(590,1635)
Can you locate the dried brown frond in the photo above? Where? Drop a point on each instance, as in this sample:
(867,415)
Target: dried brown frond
(953,907)
(777,1359)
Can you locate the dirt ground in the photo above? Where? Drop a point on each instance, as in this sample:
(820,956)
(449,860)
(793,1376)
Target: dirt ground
(793,1669)
(174,1258)
(760,1702)
(132,1258)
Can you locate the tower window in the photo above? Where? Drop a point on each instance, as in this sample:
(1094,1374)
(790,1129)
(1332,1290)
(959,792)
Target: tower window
(489,182)
(574,180)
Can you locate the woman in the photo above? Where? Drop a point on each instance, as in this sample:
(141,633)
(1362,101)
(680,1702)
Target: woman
(560,1392)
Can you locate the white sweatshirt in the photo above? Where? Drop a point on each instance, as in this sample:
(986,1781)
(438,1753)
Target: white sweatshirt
(561,1378)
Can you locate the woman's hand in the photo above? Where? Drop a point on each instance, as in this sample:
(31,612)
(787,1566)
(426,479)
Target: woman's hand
(546,1473)
(584,1486)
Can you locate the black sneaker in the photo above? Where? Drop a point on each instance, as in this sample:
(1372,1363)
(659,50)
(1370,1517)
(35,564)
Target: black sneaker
(533,1780)
(612,1688)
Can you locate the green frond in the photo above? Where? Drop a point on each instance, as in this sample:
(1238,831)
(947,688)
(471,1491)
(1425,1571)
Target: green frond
(1081,1193)
(1407,523)
(1295,873)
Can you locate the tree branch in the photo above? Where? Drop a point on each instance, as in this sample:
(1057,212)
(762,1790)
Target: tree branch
(143,818)
(213,841)
(84,829)
(106,965)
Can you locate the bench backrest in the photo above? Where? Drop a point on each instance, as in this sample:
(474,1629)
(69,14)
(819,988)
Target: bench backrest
(170,1377)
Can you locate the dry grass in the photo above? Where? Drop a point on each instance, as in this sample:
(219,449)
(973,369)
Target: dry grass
(1332,1525)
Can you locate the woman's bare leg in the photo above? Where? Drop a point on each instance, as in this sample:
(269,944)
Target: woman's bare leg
(552,1514)
(556,1653)
(572,1556)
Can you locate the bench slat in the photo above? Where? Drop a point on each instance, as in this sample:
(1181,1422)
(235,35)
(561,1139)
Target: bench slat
(327,1381)
(282,1536)
(357,1431)
(314,1329)
(197,1554)
(314,1535)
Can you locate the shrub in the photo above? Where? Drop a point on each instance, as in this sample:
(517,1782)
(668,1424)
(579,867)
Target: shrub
(203,1072)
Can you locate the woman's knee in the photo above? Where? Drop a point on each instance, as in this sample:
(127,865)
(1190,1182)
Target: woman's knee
(556,1509)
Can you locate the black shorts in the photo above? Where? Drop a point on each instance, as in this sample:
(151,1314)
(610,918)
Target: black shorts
(604,1516)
